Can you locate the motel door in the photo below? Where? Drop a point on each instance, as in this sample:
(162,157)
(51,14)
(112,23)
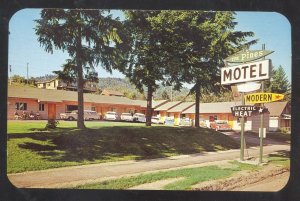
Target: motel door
(51,111)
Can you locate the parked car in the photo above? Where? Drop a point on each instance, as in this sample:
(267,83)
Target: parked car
(220,125)
(155,120)
(169,121)
(139,117)
(111,116)
(202,123)
(87,115)
(126,117)
(185,122)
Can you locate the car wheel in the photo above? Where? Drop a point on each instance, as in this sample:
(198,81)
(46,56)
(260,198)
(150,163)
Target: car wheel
(71,118)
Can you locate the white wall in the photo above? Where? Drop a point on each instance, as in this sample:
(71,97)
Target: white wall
(274,124)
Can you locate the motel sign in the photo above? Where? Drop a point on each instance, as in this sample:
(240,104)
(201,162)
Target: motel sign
(259,70)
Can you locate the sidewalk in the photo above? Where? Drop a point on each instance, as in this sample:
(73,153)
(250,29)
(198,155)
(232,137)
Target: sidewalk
(71,176)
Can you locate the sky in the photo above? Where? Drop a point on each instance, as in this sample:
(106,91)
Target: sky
(271,28)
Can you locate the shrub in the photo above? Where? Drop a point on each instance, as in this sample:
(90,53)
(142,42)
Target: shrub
(52,123)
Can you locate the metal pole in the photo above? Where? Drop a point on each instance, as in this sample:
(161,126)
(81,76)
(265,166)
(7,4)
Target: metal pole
(261,123)
(9,74)
(27,74)
(242,131)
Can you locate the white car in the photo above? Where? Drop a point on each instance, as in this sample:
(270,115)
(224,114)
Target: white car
(111,116)
(155,120)
(139,117)
(87,115)
(185,122)
(126,117)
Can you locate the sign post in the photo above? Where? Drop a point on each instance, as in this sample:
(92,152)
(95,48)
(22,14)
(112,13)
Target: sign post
(247,72)
(261,122)
(261,128)
(242,131)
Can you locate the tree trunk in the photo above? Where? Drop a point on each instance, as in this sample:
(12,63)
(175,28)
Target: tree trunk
(197,107)
(149,106)
(80,82)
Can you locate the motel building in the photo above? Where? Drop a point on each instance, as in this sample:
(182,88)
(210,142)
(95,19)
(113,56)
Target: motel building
(278,115)
(50,103)
(162,111)
(143,105)
(177,112)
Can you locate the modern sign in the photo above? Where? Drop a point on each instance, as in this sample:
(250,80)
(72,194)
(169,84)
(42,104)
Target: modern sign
(259,70)
(247,110)
(247,56)
(263,97)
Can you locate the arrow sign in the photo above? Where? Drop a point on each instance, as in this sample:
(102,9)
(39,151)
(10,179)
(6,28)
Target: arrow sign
(243,110)
(263,97)
(247,110)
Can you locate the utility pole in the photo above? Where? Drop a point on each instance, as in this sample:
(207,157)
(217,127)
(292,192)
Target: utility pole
(171,93)
(261,129)
(9,74)
(27,74)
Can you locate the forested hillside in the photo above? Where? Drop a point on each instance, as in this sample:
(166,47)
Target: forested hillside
(124,86)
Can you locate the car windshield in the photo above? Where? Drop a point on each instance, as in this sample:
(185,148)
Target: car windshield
(110,113)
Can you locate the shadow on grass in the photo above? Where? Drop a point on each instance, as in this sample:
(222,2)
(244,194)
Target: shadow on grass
(119,142)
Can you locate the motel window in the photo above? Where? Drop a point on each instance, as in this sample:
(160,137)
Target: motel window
(182,115)
(21,106)
(41,107)
(70,108)
(93,108)
(213,118)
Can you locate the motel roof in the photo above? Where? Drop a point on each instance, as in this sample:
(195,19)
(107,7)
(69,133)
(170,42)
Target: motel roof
(167,106)
(276,108)
(181,107)
(52,95)
(155,103)
(217,107)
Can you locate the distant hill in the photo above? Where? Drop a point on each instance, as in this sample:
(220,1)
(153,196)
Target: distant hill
(124,86)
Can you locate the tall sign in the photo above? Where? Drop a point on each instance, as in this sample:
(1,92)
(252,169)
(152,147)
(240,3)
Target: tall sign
(249,68)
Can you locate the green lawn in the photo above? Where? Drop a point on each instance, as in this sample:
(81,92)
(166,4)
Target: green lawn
(30,147)
(191,176)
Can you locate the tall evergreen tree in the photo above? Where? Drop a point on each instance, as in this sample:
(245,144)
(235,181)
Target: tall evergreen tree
(90,37)
(143,67)
(193,46)
(279,83)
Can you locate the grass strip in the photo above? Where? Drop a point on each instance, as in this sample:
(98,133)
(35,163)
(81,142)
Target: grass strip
(191,177)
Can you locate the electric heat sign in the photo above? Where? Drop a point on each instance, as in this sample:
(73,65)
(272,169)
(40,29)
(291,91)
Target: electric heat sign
(259,70)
